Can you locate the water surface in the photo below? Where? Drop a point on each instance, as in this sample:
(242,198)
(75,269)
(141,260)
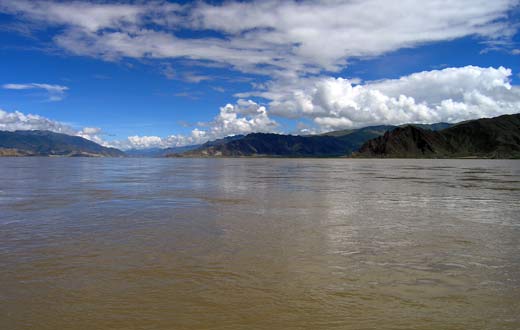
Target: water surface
(259,244)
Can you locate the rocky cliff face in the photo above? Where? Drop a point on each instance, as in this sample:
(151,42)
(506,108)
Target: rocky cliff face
(497,137)
(409,141)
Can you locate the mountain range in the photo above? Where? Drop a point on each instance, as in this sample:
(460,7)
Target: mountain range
(158,152)
(332,144)
(497,137)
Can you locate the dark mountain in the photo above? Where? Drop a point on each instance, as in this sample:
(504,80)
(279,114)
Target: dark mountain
(264,144)
(356,137)
(370,130)
(158,152)
(406,142)
(497,137)
(374,131)
(148,152)
(333,144)
(223,141)
(432,127)
(45,143)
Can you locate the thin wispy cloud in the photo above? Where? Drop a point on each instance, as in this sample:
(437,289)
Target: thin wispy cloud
(195,78)
(54,92)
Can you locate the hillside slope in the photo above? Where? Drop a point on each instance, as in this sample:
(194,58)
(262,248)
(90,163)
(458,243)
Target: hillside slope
(264,144)
(497,137)
(46,143)
(333,144)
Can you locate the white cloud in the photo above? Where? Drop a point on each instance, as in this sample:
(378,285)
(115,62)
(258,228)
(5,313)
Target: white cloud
(146,142)
(242,118)
(91,130)
(168,71)
(352,28)
(93,134)
(86,15)
(271,37)
(451,94)
(12,121)
(143,142)
(195,78)
(55,92)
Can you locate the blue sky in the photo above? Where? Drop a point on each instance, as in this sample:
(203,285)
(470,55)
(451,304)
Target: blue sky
(166,73)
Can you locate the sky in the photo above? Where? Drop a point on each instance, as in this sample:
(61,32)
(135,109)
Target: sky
(157,74)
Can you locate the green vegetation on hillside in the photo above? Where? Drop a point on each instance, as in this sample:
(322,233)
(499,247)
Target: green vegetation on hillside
(45,143)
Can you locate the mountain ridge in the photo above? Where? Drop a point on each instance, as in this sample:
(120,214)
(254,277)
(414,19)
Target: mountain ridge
(330,144)
(47,143)
(497,137)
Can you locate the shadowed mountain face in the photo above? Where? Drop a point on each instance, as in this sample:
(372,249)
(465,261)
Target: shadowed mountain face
(408,142)
(261,144)
(45,143)
(333,144)
(486,138)
(159,152)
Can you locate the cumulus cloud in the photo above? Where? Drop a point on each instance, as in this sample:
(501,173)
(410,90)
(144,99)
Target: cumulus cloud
(12,121)
(147,142)
(244,117)
(268,36)
(55,92)
(451,94)
(93,134)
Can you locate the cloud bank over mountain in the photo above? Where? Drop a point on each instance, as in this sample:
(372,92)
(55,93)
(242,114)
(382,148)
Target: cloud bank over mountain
(241,118)
(450,95)
(12,121)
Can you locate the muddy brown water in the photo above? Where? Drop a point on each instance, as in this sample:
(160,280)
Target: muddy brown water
(259,244)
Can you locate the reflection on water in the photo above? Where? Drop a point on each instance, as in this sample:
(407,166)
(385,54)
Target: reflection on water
(259,244)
